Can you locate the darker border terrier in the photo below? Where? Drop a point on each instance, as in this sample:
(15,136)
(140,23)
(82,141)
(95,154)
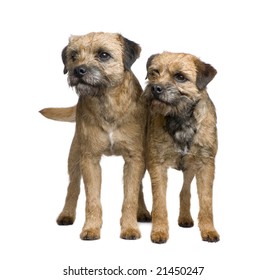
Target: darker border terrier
(181,134)
(110,120)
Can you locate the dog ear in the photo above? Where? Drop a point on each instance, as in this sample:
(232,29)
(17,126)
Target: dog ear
(149,61)
(64,59)
(205,73)
(131,52)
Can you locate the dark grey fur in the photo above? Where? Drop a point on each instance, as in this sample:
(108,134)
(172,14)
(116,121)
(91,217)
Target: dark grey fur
(182,128)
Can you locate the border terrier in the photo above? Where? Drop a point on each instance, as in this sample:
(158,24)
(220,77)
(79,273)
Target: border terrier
(110,120)
(182,134)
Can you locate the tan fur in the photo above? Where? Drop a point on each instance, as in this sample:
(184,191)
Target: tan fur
(60,114)
(110,120)
(163,152)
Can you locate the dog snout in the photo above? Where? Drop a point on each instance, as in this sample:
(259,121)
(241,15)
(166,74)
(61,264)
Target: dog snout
(80,71)
(157,90)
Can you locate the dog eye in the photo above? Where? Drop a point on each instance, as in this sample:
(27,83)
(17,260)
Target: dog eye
(153,73)
(180,78)
(104,56)
(73,55)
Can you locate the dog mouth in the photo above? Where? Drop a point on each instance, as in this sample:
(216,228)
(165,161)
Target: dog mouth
(167,94)
(158,100)
(87,80)
(78,82)
(82,87)
(168,100)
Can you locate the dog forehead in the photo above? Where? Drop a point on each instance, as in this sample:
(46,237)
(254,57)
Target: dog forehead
(175,62)
(95,41)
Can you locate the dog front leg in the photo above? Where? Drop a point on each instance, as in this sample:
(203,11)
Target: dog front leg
(143,214)
(185,218)
(205,177)
(91,173)
(132,177)
(160,227)
(68,214)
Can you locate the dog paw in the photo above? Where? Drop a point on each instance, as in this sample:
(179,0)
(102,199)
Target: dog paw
(186,222)
(210,236)
(65,220)
(144,217)
(90,234)
(159,236)
(130,234)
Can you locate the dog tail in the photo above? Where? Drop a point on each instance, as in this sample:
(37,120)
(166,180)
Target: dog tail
(60,114)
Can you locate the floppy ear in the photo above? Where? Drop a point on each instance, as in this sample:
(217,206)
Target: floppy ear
(64,59)
(149,61)
(131,52)
(205,73)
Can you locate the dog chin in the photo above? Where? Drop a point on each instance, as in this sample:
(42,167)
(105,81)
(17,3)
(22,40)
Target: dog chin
(161,107)
(86,89)
(177,107)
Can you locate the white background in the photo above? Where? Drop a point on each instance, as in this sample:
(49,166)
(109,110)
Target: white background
(230,35)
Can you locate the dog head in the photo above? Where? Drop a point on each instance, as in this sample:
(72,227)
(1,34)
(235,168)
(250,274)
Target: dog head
(98,60)
(176,82)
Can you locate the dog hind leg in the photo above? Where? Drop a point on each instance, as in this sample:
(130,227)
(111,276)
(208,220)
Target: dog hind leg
(68,214)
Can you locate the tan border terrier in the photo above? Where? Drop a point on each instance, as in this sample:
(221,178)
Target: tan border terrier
(110,120)
(182,134)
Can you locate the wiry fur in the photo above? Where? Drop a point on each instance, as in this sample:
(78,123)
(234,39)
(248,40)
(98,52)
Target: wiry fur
(110,120)
(182,128)
(63,114)
(181,134)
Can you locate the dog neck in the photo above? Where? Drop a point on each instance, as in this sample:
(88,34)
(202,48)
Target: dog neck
(110,106)
(182,128)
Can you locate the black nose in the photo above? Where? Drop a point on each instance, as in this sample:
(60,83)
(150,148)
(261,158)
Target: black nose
(157,90)
(80,71)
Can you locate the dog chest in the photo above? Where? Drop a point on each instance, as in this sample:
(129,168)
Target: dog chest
(117,142)
(182,129)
